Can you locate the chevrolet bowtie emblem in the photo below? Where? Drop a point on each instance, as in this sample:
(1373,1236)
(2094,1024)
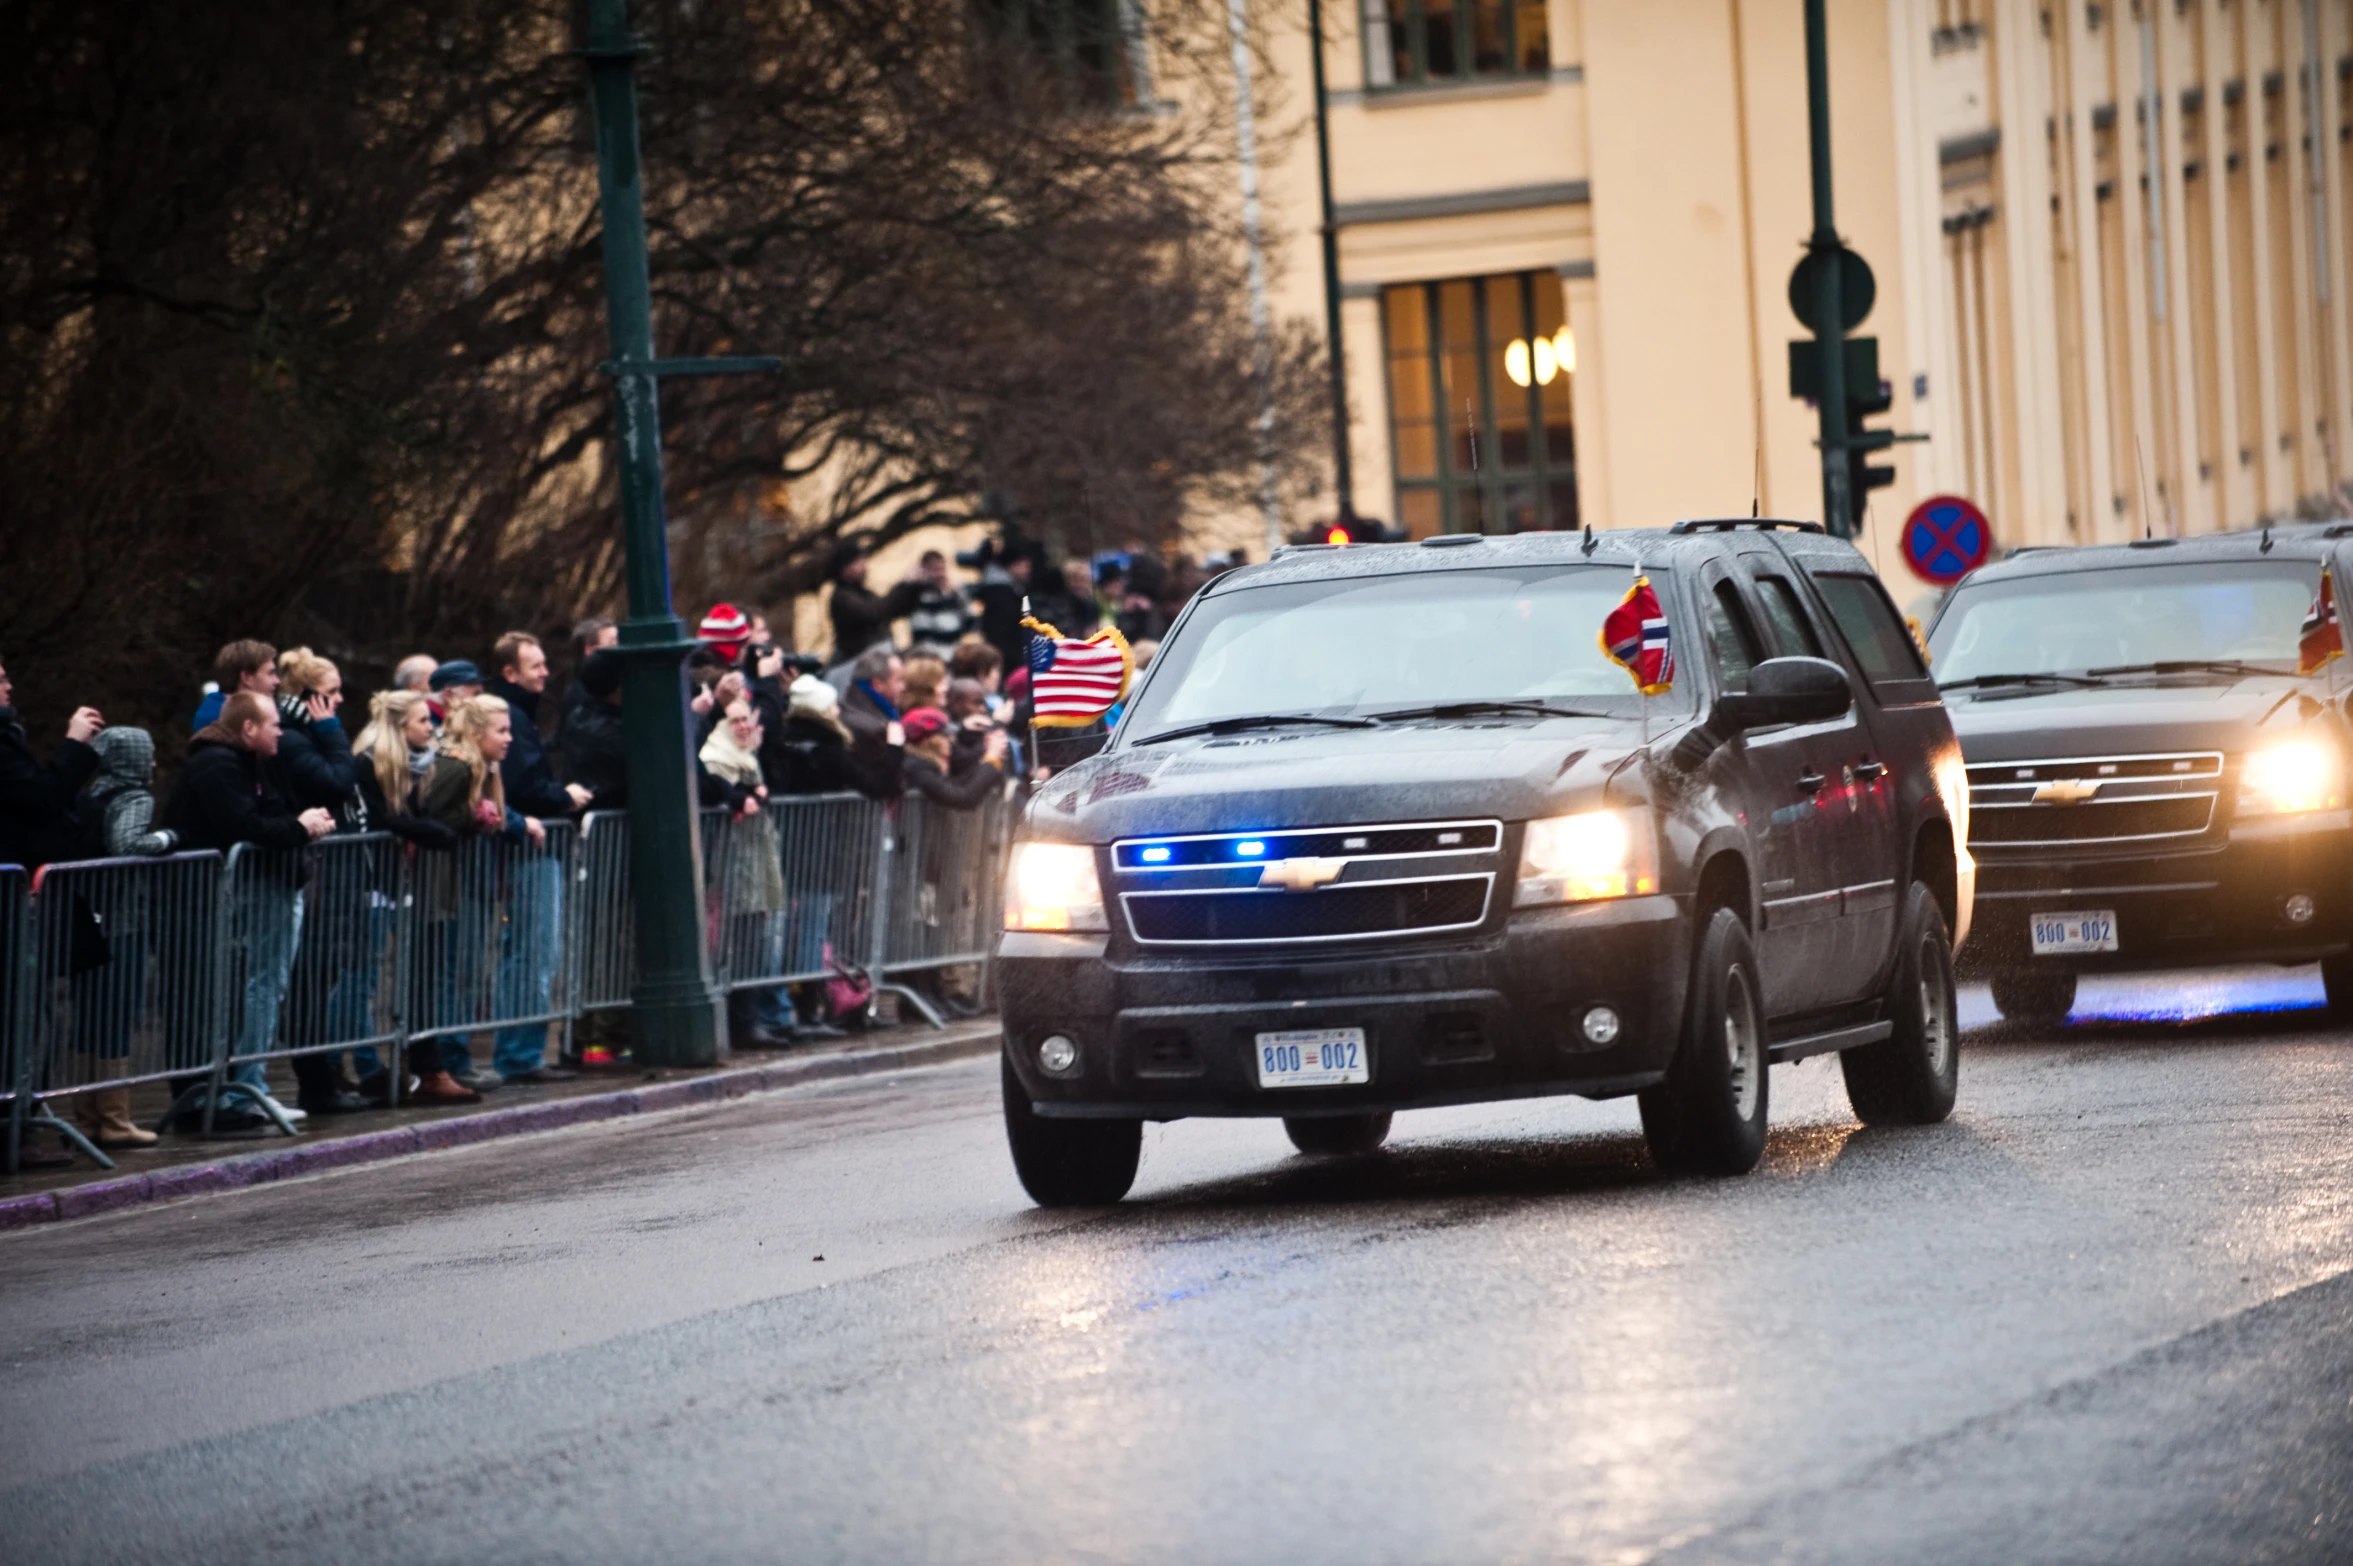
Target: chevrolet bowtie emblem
(2066,791)
(1302,875)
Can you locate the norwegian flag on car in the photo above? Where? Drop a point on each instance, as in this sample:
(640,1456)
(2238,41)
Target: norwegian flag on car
(1635,635)
(1073,682)
(2323,638)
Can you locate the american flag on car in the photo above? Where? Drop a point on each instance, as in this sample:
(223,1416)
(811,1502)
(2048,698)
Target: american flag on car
(1073,682)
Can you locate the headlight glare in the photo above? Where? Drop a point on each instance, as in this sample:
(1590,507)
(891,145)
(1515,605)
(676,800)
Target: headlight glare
(1053,887)
(1586,857)
(2284,779)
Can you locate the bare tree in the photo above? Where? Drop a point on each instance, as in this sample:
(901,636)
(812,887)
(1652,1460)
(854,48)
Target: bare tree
(300,308)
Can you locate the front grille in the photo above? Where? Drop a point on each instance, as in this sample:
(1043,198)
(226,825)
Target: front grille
(2096,822)
(1363,842)
(2092,800)
(1339,913)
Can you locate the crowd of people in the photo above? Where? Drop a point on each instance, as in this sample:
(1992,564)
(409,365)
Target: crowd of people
(456,750)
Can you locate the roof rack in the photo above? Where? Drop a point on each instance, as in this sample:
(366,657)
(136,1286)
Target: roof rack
(1731,524)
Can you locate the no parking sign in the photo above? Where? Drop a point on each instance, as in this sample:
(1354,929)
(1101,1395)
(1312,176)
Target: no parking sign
(1945,538)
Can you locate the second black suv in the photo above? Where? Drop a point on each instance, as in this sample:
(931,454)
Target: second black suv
(1385,827)
(2157,745)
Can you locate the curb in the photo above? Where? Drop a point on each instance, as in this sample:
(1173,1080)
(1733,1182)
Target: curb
(375,1147)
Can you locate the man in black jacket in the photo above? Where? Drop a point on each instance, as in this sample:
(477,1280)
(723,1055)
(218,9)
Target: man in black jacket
(535,902)
(596,754)
(228,795)
(37,822)
(862,618)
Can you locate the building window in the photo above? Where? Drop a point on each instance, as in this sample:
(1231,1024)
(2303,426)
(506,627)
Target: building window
(1479,408)
(1412,43)
(1090,46)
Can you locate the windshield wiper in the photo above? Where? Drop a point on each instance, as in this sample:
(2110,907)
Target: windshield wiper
(1980,681)
(1463,709)
(1260,721)
(2187,666)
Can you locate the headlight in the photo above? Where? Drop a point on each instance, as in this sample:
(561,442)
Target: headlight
(1594,854)
(1052,886)
(2299,775)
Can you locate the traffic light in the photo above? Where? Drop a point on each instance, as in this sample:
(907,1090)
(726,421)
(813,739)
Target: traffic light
(1862,441)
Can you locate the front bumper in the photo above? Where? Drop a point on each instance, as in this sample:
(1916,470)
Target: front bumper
(2222,902)
(1488,1017)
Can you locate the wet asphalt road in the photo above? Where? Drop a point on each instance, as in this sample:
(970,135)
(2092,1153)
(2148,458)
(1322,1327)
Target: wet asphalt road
(2104,1314)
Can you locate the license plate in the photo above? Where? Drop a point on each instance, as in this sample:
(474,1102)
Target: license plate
(1313,1057)
(2058,934)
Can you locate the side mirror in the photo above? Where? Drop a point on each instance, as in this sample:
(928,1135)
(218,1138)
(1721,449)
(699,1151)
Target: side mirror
(1786,690)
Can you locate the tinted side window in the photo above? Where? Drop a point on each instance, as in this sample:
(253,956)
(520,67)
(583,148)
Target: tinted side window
(1787,616)
(1882,647)
(1731,636)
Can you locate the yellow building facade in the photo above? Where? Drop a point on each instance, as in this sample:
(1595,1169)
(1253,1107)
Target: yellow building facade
(2110,243)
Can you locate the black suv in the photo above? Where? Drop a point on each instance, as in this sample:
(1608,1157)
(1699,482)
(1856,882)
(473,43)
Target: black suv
(1385,827)
(2156,737)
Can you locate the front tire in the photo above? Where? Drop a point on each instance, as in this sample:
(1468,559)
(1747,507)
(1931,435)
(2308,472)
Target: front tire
(1911,1077)
(1708,1117)
(1069,1163)
(1336,1135)
(2034,1000)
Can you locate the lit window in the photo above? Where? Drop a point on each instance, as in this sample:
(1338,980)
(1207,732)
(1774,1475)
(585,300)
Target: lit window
(1481,434)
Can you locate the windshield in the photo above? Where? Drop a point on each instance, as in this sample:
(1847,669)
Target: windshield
(1358,646)
(2228,612)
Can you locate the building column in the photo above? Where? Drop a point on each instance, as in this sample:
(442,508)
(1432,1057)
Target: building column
(2099,521)
(2275,488)
(2192,494)
(1928,311)
(2308,458)
(2033,435)
(2233,491)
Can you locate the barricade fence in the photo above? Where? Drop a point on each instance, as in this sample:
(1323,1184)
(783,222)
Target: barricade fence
(197,969)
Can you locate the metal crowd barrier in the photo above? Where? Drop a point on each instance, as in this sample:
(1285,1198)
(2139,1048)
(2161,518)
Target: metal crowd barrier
(486,935)
(197,969)
(121,981)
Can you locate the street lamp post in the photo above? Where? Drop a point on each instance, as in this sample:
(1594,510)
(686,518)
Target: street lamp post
(1828,323)
(675,1017)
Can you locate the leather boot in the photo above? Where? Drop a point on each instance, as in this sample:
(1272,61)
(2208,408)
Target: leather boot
(105,1118)
(439,1087)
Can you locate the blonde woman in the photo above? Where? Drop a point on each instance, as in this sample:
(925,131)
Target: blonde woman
(459,907)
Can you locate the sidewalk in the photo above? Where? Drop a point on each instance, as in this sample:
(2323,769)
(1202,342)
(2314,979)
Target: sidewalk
(181,1166)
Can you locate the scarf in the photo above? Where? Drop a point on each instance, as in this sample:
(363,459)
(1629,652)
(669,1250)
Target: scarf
(726,757)
(889,712)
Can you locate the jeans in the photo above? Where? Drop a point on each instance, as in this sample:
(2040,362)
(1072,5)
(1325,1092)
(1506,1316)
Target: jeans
(527,963)
(351,1005)
(270,920)
(812,918)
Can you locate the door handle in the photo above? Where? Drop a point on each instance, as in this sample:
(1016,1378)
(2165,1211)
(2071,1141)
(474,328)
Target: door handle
(1812,782)
(1870,771)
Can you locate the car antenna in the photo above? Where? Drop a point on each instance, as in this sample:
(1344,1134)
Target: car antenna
(2140,461)
(1756,474)
(2267,538)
